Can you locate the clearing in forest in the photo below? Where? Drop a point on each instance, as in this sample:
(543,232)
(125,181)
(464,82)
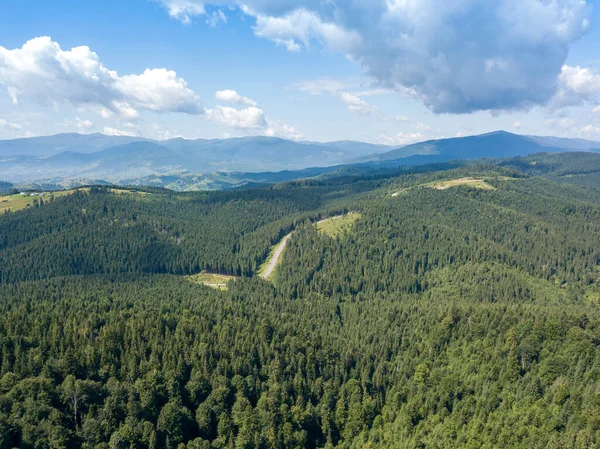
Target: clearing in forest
(216,281)
(335,226)
(268,267)
(20,201)
(127,192)
(478,183)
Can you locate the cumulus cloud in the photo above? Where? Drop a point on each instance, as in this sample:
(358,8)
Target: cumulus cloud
(183,10)
(117,132)
(516,124)
(577,85)
(83,124)
(590,131)
(252,121)
(47,75)
(597,109)
(231,96)
(251,118)
(5,124)
(355,104)
(400,139)
(561,123)
(464,132)
(279,129)
(299,27)
(455,56)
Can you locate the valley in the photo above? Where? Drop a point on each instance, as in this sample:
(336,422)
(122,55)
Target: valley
(339,316)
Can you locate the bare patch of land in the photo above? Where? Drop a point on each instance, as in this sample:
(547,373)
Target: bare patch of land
(477,183)
(216,281)
(125,192)
(335,226)
(20,201)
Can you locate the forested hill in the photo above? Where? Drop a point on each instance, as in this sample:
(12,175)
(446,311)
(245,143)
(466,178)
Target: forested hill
(459,310)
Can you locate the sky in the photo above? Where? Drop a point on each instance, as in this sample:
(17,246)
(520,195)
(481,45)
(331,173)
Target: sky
(382,71)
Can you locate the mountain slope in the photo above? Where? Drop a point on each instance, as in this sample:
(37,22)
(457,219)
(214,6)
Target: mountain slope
(51,145)
(117,160)
(456,318)
(226,163)
(493,145)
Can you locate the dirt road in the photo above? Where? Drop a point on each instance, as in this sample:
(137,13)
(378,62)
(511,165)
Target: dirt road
(275,258)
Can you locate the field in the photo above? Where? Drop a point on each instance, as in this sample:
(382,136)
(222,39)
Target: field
(472,182)
(336,226)
(216,281)
(22,201)
(127,192)
(477,183)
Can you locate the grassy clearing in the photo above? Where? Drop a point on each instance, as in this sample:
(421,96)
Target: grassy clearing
(128,192)
(477,183)
(19,201)
(216,281)
(339,225)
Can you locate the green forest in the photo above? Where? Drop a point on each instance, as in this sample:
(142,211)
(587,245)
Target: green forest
(461,317)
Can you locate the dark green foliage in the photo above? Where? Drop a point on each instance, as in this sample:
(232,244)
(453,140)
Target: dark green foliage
(460,318)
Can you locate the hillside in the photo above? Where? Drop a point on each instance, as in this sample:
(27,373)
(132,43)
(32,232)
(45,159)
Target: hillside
(68,159)
(71,160)
(439,317)
(494,145)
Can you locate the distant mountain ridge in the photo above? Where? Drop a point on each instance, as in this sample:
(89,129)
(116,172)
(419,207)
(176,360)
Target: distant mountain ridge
(499,144)
(92,157)
(74,159)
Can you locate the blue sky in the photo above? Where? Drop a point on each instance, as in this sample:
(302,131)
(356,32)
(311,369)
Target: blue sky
(393,71)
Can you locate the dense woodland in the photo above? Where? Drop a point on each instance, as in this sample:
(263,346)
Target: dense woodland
(457,318)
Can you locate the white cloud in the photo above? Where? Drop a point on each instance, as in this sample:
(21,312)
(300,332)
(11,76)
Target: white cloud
(279,129)
(117,132)
(248,118)
(5,124)
(183,10)
(400,138)
(231,96)
(516,124)
(588,132)
(83,124)
(421,126)
(577,85)
(299,27)
(455,56)
(47,75)
(355,104)
(216,18)
(464,132)
(597,108)
(560,123)
(252,120)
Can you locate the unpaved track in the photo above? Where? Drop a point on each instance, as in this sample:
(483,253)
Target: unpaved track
(275,258)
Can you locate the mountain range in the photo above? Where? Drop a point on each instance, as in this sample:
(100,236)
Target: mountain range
(74,159)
